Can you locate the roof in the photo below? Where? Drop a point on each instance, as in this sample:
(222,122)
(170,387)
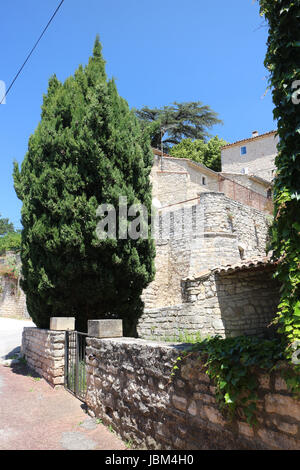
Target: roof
(256,264)
(209,171)
(188,160)
(250,139)
(247,265)
(253,177)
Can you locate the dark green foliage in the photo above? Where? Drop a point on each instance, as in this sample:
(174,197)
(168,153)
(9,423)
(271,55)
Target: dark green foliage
(283,63)
(180,120)
(207,153)
(10,242)
(5,227)
(87,150)
(10,239)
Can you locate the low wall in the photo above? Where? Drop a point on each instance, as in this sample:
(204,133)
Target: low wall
(44,351)
(128,387)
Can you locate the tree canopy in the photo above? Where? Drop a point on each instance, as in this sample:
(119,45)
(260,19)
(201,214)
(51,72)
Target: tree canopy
(189,120)
(10,239)
(5,226)
(87,150)
(207,153)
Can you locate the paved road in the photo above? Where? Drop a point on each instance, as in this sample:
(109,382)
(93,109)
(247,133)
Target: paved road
(34,416)
(11,334)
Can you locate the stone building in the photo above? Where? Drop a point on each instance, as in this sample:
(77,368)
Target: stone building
(208,222)
(178,181)
(253,156)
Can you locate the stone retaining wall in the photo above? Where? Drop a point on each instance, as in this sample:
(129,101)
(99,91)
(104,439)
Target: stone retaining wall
(230,304)
(12,299)
(44,351)
(128,387)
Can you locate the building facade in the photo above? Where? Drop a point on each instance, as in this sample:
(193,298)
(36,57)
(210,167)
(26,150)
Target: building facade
(253,156)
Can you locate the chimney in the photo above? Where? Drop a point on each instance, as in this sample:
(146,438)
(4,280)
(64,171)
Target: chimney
(255,134)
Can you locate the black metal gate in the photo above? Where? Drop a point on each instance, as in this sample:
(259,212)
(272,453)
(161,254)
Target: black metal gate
(75,365)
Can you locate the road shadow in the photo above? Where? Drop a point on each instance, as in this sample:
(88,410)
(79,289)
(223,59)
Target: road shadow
(20,367)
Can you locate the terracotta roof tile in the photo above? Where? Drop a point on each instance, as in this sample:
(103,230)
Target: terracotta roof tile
(265,262)
(245,265)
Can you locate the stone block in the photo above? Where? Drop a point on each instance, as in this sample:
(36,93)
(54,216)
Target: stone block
(180,403)
(62,323)
(214,416)
(282,405)
(105,328)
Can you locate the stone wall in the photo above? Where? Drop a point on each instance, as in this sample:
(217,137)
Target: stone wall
(249,182)
(233,188)
(177,180)
(44,351)
(129,388)
(230,304)
(206,235)
(12,299)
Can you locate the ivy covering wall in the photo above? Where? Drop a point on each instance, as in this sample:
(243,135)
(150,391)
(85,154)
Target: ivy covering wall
(283,62)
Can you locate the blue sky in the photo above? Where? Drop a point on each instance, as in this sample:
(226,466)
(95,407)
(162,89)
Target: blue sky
(159,52)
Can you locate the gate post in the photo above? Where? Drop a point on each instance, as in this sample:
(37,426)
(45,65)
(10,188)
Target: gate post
(105,328)
(62,323)
(65,324)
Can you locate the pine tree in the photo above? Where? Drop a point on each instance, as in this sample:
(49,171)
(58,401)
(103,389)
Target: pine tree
(87,150)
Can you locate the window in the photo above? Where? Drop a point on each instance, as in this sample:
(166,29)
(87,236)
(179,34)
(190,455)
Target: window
(243,150)
(203,180)
(269,193)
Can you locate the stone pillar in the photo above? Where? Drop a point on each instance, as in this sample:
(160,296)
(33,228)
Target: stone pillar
(62,323)
(105,328)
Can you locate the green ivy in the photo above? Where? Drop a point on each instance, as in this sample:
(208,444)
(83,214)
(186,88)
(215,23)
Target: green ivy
(233,365)
(283,62)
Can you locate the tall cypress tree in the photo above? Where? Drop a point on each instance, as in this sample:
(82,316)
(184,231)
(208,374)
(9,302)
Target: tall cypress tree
(87,150)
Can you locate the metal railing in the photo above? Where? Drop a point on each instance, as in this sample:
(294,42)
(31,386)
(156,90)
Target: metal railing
(75,363)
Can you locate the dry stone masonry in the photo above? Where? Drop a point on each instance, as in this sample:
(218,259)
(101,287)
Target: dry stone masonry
(228,304)
(216,232)
(129,388)
(12,299)
(44,351)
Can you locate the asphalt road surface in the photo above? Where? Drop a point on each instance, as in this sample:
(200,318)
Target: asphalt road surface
(11,335)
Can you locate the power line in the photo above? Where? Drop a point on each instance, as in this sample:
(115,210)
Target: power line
(30,53)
